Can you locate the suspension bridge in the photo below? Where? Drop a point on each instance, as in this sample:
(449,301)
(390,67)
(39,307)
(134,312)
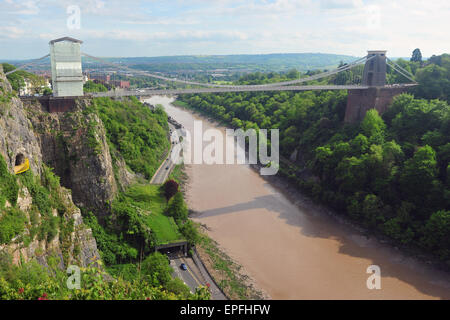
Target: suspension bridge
(372,91)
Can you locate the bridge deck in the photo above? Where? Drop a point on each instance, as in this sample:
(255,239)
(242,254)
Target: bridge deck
(124,93)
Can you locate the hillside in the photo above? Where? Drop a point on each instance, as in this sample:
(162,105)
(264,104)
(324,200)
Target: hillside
(390,173)
(80,204)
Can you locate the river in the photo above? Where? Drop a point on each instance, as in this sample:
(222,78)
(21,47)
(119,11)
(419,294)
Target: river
(292,250)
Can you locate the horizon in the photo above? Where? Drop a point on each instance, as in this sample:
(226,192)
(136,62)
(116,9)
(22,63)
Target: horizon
(208,28)
(218,55)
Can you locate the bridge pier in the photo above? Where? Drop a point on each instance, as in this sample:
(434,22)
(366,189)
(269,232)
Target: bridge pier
(53,104)
(359,101)
(377,96)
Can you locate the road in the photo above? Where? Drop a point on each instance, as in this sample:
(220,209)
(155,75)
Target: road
(194,276)
(167,166)
(188,276)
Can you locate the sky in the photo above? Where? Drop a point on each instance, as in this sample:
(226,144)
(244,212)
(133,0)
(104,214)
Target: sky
(136,28)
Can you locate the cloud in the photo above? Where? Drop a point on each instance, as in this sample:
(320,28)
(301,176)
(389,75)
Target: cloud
(216,26)
(20,7)
(11,32)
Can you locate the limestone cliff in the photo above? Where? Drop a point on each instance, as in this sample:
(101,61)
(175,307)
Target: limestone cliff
(74,144)
(37,213)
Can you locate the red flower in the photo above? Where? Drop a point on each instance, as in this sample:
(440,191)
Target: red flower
(147,298)
(21,290)
(44,297)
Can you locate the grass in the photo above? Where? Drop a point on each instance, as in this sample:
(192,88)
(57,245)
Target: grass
(178,174)
(150,199)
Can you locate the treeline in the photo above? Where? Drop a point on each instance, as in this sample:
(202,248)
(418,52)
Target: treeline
(390,173)
(17,79)
(136,132)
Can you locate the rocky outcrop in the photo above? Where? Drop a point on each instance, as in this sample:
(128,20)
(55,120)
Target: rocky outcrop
(76,246)
(73,242)
(75,145)
(16,132)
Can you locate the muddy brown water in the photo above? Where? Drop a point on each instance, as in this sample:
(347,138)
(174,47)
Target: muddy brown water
(292,251)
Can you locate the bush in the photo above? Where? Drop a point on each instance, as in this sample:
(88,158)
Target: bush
(157,269)
(12,223)
(177,208)
(170,189)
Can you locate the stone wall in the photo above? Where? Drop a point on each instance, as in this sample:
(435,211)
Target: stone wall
(359,101)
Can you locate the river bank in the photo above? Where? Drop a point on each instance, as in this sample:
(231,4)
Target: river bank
(292,250)
(282,183)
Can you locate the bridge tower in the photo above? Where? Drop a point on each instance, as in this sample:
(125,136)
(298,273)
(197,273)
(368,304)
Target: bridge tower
(67,75)
(377,96)
(374,74)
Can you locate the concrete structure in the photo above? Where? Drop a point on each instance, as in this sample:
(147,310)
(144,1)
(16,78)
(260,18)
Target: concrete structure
(359,101)
(181,246)
(52,104)
(374,74)
(378,96)
(67,75)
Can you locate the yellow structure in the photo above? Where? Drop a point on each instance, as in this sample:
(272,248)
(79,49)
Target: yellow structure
(22,167)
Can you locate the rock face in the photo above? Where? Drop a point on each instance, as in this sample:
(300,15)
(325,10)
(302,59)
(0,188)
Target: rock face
(19,134)
(16,132)
(75,145)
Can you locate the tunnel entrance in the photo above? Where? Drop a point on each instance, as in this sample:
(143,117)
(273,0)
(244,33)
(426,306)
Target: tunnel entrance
(21,164)
(20,159)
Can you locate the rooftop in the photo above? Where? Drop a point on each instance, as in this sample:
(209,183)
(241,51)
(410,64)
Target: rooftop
(65,39)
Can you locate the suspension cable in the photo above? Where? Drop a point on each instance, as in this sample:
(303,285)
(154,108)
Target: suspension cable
(401,70)
(314,77)
(28,64)
(394,66)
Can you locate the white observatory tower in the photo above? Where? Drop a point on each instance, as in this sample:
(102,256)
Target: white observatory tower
(67,75)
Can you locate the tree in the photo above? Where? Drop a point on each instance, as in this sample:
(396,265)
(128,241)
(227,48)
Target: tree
(157,269)
(190,232)
(437,233)
(416,56)
(170,189)
(372,209)
(178,287)
(373,126)
(177,208)
(419,173)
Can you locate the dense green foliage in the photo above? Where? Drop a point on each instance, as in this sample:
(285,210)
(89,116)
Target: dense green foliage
(91,86)
(389,173)
(177,208)
(17,79)
(139,134)
(137,223)
(12,223)
(45,197)
(31,281)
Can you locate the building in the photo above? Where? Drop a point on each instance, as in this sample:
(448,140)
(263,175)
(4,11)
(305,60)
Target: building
(100,77)
(27,89)
(121,84)
(67,75)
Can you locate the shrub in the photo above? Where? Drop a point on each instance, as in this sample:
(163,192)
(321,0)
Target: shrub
(170,189)
(12,223)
